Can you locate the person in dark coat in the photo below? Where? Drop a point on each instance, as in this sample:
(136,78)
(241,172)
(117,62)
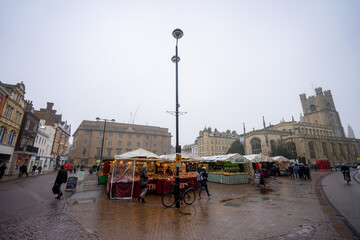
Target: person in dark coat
(39,169)
(143,183)
(202,178)
(2,170)
(60,179)
(23,169)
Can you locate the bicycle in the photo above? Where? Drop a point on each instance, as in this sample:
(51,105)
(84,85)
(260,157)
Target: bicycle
(187,195)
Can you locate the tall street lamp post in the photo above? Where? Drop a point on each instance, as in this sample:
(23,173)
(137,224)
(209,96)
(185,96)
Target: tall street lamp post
(177,34)
(103,137)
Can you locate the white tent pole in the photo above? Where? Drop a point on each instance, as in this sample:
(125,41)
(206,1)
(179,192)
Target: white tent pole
(132,188)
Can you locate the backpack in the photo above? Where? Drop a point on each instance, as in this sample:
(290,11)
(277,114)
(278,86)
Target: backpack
(200,177)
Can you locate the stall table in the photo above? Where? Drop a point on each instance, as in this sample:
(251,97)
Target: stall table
(233,178)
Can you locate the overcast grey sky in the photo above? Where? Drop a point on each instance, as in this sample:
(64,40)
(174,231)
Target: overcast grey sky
(240,60)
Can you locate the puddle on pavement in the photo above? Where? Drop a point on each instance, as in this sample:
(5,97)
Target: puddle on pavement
(265,190)
(229,204)
(185,213)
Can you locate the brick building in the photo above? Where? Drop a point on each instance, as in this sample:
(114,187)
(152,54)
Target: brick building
(119,138)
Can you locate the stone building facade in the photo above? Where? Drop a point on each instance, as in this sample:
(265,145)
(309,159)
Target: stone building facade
(119,138)
(62,132)
(13,108)
(24,148)
(212,143)
(318,135)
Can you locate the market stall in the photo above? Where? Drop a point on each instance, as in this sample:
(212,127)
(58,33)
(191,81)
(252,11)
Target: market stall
(125,174)
(261,162)
(228,169)
(283,164)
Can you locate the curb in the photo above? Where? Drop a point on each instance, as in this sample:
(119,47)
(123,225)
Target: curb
(348,225)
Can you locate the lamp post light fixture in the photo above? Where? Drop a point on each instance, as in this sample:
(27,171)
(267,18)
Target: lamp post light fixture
(177,34)
(103,137)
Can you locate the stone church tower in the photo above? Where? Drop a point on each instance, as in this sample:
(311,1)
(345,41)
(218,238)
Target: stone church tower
(320,109)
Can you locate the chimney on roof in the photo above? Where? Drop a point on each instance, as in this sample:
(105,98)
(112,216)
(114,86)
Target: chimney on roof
(49,105)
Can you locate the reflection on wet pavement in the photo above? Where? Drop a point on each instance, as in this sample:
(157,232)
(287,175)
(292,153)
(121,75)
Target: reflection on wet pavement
(284,207)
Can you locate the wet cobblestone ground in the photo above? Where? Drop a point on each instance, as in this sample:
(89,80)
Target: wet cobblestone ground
(285,209)
(57,226)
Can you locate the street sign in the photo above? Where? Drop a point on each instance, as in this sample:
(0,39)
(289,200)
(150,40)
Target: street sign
(178,158)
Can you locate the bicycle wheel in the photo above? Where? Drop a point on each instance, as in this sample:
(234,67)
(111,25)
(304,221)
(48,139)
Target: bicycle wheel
(168,199)
(189,196)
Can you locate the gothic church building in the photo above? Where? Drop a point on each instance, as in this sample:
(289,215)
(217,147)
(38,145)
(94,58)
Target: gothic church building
(318,135)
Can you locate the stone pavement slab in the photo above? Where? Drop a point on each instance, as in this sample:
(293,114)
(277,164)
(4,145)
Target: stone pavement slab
(56,226)
(285,209)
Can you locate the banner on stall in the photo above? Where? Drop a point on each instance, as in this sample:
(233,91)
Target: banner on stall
(81,174)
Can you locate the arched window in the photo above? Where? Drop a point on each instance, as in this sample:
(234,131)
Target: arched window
(2,134)
(255,145)
(324,146)
(273,146)
(292,149)
(11,137)
(313,108)
(312,150)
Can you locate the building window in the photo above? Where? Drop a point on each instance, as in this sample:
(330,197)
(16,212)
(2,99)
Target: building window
(154,145)
(120,135)
(27,124)
(312,150)
(312,108)
(110,142)
(147,137)
(129,143)
(109,152)
(85,141)
(138,144)
(255,145)
(129,135)
(2,134)
(110,134)
(101,134)
(98,152)
(86,133)
(100,142)
(154,137)
(146,144)
(119,143)
(118,151)
(325,149)
(138,136)
(10,138)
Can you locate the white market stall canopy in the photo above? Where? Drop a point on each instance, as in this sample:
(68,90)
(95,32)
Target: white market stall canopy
(138,154)
(281,159)
(233,157)
(254,158)
(184,156)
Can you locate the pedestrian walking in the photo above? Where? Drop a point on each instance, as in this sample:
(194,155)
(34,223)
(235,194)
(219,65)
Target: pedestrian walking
(202,178)
(23,169)
(291,171)
(143,183)
(33,169)
(296,169)
(60,179)
(75,167)
(2,170)
(39,169)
